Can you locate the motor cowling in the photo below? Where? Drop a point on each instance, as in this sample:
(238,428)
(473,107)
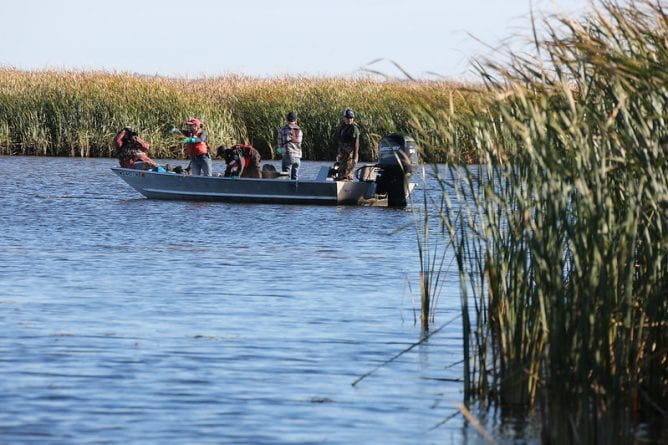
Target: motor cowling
(397,161)
(398,150)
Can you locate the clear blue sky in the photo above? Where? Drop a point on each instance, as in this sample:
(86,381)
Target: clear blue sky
(262,37)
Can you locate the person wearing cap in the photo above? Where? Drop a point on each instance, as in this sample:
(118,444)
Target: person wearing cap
(132,150)
(290,146)
(196,146)
(349,146)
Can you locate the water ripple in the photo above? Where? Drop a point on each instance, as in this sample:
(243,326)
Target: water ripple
(127,320)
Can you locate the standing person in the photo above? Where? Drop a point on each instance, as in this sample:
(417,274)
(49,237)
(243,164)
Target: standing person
(132,150)
(196,146)
(290,145)
(349,146)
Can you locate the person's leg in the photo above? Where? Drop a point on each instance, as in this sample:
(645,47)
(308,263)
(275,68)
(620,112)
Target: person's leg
(351,168)
(295,169)
(207,165)
(286,163)
(195,166)
(148,162)
(345,159)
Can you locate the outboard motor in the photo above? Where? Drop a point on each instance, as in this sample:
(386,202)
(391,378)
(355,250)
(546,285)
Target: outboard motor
(397,161)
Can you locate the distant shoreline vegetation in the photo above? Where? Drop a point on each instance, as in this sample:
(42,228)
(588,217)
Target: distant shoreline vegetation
(77,113)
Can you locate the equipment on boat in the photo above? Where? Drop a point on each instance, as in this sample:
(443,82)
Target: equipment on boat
(397,162)
(333,171)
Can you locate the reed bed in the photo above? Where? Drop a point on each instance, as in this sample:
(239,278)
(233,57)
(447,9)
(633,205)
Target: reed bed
(61,113)
(561,233)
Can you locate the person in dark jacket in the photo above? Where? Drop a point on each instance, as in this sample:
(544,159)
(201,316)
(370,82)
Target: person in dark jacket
(242,161)
(348,136)
(132,150)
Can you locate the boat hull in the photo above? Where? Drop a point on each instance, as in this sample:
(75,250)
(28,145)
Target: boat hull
(156,185)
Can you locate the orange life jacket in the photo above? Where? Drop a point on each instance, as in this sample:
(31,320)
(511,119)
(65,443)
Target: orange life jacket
(245,154)
(198,148)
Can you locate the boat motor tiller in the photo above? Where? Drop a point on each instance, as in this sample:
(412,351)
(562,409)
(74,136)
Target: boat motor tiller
(397,161)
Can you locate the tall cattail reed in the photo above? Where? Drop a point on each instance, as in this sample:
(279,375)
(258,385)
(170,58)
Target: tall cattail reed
(77,113)
(433,253)
(561,233)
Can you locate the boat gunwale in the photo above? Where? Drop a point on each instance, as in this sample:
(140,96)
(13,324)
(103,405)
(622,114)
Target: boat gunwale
(227,178)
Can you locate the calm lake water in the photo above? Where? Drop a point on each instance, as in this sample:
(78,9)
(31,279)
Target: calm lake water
(128,320)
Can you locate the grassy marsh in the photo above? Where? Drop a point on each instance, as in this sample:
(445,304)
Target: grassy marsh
(560,234)
(60,113)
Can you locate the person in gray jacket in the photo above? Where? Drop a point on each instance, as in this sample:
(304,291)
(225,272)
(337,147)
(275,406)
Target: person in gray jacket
(290,145)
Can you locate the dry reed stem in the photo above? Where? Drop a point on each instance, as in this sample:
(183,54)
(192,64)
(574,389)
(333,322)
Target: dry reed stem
(476,424)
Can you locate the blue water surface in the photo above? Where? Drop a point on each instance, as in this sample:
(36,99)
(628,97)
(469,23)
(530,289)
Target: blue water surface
(129,320)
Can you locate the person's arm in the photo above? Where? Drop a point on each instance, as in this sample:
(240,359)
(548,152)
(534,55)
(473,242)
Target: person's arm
(179,134)
(190,139)
(118,140)
(356,134)
(338,144)
(357,149)
(282,140)
(143,144)
(284,137)
(202,137)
